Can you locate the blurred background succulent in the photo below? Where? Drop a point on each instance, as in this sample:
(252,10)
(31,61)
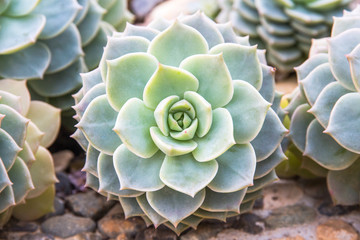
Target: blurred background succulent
(325,113)
(50,42)
(177,124)
(284,27)
(27,173)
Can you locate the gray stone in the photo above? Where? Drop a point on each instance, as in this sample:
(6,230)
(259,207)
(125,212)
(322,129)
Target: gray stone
(155,234)
(205,231)
(249,222)
(289,216)
(22,227)
(86,236)
(67,225)
(114,224)
(59,206)
(63,187)
(89,204)
(36,236)
(328,209)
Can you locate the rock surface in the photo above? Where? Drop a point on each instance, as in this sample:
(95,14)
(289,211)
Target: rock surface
(67,225)
(336,229)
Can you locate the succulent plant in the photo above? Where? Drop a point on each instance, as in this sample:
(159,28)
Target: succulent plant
(177,124)
(325,113)
(284,27)
(50,42)
(27,173)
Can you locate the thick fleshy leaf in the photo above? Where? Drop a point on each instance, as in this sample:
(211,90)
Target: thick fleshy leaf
(85,4)
(178,229)
(236,169)
(21,180)
(42,172)
(344,123)
(171,46)
(91,79)
(11,101)
(94,92)
(246,104)
(188,133)
(4,178)
(173,205)
(20,89)
(337,56)
(205,26)
(7,199)
(47,118)
(185,174)
(14,124)
(108,179)
(326,101)
(98,123)
(354,61)
(185,107)
(36,207)
(193,221)
(141,174)
(344,185)
(242,62)
(265,166)
(325,151)
(215,83)
(141,31)
(59,15)
(267,89)
(60,83)
(131,206)
(133,125)
(117,47)
(162,111)
(168,81)
(269,137)
(211,215)
(123,71)
(262,182)
(203,112)
(94,50)
(309,65)
(271,10)
(299,124)
(315,82)
(219,138)
(92,156)
(170,146)
(64,48)
(89,27)
(33,136)
(30,62)
(149,211)
(19,8)
(18,33)
(223,202)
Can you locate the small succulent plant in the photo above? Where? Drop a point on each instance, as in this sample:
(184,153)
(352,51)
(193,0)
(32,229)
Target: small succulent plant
(50,42)
(27,173)
(177,124)
(284,27)
(325,113)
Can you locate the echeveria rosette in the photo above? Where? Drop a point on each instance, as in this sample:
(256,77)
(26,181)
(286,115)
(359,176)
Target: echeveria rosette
(27,173)
(177,124)
(284,27)
(49,42)
(325,113)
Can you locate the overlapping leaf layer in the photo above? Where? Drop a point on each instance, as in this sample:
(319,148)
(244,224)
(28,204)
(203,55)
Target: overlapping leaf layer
(50,42)
(284,27)
(325,110)
(177,124)
(27,173)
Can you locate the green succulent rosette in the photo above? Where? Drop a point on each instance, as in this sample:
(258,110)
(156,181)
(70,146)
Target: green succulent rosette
(284,27)
(325,113)
(177,124)
(49,42)
(27,173)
